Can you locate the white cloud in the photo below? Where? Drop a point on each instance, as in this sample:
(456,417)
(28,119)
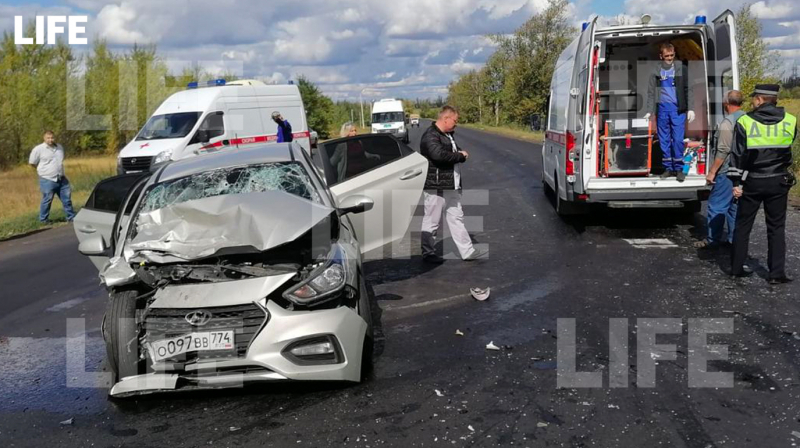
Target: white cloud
(404,49)
(116,22)
(774,10)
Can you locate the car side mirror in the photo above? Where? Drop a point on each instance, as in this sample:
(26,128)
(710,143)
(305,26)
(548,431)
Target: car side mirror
(355,204)
(94,246)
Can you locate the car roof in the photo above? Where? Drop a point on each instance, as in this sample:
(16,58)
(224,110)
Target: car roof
(201,99)
(231,157)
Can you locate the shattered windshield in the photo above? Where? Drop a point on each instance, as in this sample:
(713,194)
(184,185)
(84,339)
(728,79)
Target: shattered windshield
(169,126)
(289,177)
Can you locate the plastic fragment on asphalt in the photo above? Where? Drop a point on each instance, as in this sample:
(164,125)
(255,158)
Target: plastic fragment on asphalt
(796,434)
(67,422)
(459,333)
(796,336)
(613,406)
(491,346)
(438,393)
(480,294)
(542,425)
(471,428)
(234,428)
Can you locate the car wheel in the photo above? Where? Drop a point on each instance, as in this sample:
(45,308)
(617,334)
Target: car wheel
(122,335)
(365,311)
(564,208)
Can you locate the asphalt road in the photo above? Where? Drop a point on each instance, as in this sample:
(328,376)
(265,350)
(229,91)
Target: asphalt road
(632,265)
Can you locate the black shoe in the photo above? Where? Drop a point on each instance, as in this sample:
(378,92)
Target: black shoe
(666,174)
(433,259)
(681,176)
(780,280)
(746,272)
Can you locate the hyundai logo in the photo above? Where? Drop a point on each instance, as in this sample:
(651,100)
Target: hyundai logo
(133,160)
(198,318)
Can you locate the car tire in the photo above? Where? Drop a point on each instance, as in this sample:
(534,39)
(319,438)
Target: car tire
(365,297)
(122,335)
(564,208)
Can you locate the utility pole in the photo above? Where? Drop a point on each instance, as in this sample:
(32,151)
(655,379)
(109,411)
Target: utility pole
(361,99)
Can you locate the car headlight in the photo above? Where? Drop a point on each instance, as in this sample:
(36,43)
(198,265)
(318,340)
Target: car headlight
(163,156)
(324,283)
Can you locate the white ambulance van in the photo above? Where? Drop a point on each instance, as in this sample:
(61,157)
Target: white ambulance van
(214,116)
(598,146)
(388,117)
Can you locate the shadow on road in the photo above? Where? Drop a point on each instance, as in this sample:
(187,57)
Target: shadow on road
(633,219)
(389,270)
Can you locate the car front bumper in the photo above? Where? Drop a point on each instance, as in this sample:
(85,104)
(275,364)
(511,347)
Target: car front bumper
(264,360)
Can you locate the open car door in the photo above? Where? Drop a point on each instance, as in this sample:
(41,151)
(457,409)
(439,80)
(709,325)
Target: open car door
(726,64)
(94,224)
(384,170)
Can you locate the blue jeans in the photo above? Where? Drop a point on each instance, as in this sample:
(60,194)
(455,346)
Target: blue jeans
(50,189)
(671,129)
(721,209)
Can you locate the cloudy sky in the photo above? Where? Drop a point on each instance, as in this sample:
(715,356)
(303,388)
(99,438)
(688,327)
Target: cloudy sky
(409,48)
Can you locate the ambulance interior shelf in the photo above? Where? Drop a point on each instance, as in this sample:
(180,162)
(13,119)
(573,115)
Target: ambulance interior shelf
(626,143)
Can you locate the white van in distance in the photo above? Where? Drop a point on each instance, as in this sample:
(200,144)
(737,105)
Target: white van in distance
(213,117)
(598,146)
(388,117)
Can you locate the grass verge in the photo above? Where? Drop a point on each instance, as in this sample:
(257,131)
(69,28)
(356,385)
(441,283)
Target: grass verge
(19,203)
(517,132)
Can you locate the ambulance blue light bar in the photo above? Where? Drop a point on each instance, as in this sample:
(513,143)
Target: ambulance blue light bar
(211,83)
(700,20)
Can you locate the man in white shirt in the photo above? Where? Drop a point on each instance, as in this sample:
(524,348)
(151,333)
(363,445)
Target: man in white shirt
(48,158)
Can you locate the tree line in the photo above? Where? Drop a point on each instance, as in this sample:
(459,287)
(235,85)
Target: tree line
(514,84)
(97,102)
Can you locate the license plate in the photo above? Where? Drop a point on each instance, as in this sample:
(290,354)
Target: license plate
(193,342)
(387,126)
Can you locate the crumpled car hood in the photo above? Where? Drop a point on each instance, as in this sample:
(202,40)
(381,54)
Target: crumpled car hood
(200,228)
(203,295)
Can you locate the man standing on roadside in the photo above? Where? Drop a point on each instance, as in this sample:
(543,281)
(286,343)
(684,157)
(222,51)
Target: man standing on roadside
(284,127)
(761,171)
(443,188)
(48,158)
(721,206)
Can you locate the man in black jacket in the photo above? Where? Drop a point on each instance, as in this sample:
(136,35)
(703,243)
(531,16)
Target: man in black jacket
(761,171)
(443,188)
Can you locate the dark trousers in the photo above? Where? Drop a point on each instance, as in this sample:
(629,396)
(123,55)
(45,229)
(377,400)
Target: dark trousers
(774,193)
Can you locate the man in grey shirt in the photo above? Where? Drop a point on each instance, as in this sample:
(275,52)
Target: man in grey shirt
(48,158)
(721,207)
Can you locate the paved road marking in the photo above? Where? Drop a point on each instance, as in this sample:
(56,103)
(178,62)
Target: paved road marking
(442,300)
(68,304)
(651,243)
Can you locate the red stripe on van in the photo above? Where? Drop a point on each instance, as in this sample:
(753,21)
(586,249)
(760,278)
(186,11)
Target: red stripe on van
(558,137)
(255,139)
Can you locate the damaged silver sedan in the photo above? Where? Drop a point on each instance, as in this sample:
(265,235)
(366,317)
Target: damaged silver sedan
(245,265)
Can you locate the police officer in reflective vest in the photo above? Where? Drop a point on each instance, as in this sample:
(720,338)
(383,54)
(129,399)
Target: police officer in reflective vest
(761,171)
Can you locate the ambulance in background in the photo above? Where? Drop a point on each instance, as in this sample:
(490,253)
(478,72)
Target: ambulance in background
(598,148)
(212,116)
(388,117)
